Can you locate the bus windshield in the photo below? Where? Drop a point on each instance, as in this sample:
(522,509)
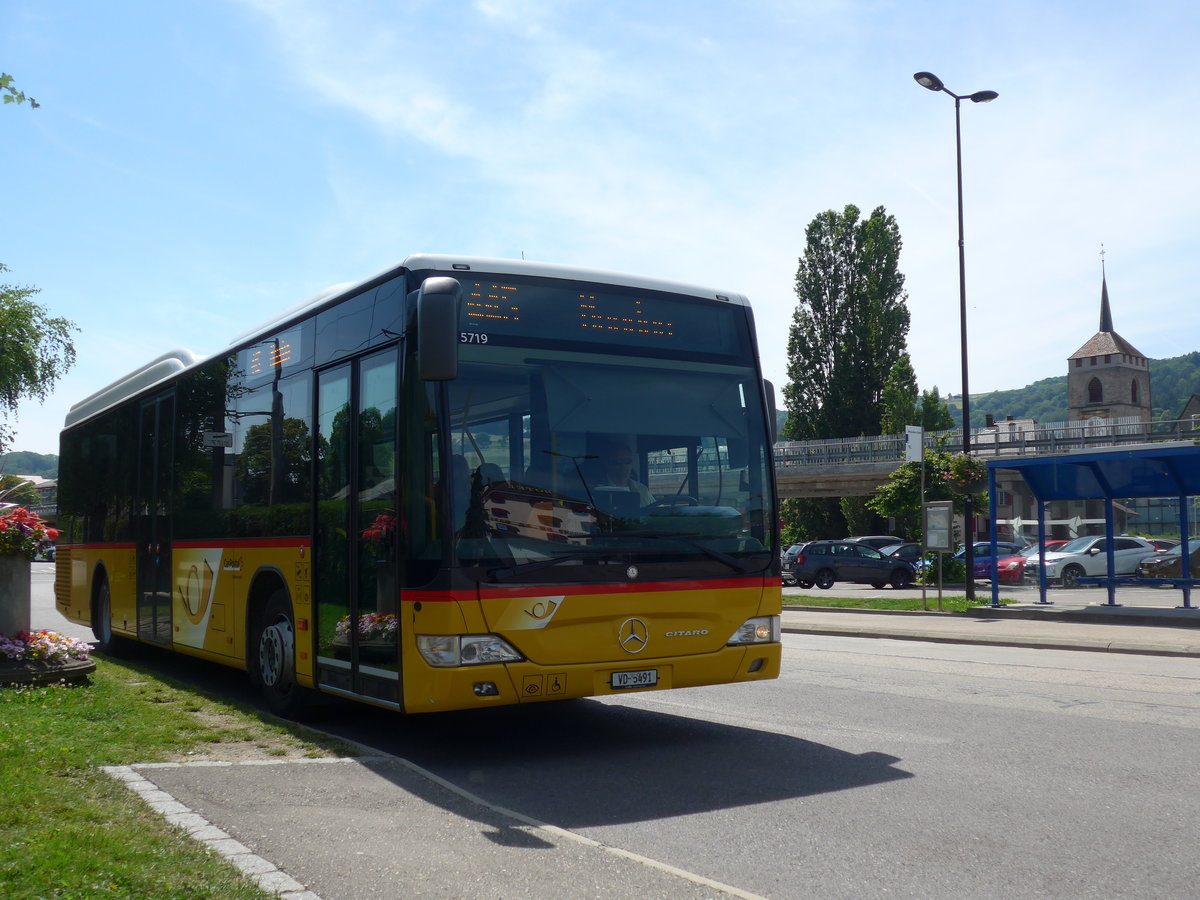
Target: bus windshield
(610,452)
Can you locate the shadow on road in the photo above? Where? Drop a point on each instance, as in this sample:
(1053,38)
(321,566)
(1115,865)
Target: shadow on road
(575,763)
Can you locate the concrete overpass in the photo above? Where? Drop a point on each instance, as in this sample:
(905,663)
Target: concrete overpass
(855,467)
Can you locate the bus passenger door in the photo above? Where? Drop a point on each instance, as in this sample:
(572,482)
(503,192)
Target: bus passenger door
(153,525)
(355,545)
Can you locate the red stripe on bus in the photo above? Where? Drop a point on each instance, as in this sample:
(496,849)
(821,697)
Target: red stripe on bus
(62,546)
(623,587)
(215,542)
(645,587)
(244,542)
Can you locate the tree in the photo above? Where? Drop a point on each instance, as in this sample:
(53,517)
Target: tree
(935,413)
(900,398)
(35,351)
(947,477)
(12,95)
(850,326)
(849,330)
(19,491)
(35,348)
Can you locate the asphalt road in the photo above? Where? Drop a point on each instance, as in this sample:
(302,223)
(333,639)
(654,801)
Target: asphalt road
(871,768)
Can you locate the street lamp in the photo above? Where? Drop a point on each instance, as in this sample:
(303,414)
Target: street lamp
(931,82)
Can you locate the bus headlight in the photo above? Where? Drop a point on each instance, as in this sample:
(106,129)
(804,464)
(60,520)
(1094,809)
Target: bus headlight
(465,649)
(762,630)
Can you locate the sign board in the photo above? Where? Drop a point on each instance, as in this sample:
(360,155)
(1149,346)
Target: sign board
(217,439)
(938,516)
(914,443)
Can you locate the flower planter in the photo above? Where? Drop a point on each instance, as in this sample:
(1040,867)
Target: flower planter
(37,673)
(14,594)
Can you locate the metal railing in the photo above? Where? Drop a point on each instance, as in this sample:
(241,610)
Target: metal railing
(1009,438)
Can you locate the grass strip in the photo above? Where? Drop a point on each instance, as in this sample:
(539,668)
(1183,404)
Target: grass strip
(955,603)
(69,831)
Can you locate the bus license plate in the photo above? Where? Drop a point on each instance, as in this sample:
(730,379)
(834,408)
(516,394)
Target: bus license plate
(639,679)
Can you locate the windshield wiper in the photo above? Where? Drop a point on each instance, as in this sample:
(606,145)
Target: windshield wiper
(503,572)
(733,562)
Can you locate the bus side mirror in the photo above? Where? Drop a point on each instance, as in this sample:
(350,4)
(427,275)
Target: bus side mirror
(437,329)
(772,428)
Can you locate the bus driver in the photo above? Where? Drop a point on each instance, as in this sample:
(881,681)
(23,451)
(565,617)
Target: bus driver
(618,472)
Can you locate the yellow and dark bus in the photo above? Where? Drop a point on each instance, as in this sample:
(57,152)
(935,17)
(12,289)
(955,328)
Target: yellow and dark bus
(461,483)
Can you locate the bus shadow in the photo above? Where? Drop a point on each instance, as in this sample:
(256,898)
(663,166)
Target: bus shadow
(575,764)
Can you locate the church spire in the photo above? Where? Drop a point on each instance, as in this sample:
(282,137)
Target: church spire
(1106,323)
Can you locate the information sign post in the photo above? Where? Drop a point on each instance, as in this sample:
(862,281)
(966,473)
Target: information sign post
(938,519)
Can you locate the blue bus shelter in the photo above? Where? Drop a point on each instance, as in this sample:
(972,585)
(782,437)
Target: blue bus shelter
(1155,470)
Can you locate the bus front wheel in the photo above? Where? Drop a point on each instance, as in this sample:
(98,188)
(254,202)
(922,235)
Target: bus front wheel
(274,651)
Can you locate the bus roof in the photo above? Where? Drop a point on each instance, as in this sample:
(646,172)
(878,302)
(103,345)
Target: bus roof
(174,361)
(456,264)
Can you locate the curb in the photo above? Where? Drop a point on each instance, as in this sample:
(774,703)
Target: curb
(262,872)
(1109,646)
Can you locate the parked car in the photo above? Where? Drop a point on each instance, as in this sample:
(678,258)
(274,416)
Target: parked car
(984,548)
(913,554)
(983,555)
(1088,555)
(825,562)
(786,575)
(875,540)
(1164,544)
(1169,565)
(909,551)
(1012,568)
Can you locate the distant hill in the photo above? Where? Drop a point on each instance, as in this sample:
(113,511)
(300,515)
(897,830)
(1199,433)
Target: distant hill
(1172,383)
(22,462)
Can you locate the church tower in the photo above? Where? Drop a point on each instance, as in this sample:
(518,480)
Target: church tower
(1107,378)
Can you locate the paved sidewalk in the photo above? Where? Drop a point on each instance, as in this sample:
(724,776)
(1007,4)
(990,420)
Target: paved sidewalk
(1087,628)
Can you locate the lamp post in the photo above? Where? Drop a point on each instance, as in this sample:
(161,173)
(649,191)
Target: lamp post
(931,82)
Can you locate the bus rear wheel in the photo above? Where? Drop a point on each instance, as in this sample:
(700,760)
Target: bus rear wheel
(106,642)
(274,656)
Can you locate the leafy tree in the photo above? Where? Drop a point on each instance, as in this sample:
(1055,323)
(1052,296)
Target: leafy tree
(19,491)
(12,95)
(935,413)
(900,495)
(35,350)
(848,332)
(850,326)
(900,398)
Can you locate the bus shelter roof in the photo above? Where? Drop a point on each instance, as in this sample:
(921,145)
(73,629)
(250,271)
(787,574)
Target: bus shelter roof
(1154,470)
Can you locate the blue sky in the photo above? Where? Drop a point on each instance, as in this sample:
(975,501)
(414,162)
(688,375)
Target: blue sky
(197,166)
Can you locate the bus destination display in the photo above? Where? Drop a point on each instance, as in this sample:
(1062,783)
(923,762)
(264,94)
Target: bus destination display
(496,310)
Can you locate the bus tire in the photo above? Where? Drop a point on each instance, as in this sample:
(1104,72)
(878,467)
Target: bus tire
(106,642)
(273,657)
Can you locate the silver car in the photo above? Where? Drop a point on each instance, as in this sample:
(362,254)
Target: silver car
(1088,556)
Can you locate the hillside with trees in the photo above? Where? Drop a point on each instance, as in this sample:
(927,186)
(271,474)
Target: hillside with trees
(22,462)
(1172,383)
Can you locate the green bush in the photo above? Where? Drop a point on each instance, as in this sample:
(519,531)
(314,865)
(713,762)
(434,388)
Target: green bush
(954,571)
